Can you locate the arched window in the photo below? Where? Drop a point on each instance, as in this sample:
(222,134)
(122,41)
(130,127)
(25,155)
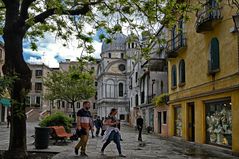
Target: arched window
(136,100)
(110,89)
(174,76)
(121,89)
(181,71)
(214,56)
(161,86)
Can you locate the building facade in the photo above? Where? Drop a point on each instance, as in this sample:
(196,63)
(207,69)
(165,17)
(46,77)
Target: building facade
(127,81)
(203,67)
(35,98)
(153,82)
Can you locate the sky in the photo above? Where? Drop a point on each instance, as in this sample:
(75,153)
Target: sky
(51,51)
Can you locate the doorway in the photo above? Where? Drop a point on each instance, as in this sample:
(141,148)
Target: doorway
(3,114)
(191,121)
(159,122)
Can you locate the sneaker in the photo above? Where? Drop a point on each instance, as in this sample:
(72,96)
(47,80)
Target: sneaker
(76,151)
(83,154)
(121,155)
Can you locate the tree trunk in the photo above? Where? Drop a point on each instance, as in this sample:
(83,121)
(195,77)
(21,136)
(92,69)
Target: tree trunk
(15,65)
(74,111)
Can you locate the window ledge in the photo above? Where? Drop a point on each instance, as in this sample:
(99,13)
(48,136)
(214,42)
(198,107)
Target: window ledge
(181,84)
(173,87)
(213,72)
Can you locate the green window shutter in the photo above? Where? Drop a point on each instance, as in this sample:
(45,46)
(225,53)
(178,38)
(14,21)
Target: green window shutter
(214,54)
(182,71)
(174,76)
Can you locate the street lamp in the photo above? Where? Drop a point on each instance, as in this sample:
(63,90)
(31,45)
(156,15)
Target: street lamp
(236,21)
(153,81)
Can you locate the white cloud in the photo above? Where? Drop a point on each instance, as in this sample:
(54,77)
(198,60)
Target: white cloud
(49,48)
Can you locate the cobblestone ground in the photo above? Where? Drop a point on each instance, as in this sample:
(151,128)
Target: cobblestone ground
(4,135)
(152,147)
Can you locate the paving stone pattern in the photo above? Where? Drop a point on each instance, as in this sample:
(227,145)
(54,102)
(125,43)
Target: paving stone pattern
(152,147)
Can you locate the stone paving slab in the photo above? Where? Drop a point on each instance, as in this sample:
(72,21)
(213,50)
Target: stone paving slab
(153,147)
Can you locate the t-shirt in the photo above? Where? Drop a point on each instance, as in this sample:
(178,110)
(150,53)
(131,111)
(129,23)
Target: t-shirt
(85,118)
(113,119)
(140,122)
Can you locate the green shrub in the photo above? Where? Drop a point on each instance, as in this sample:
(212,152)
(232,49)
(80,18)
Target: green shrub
(160,100)
(57,119)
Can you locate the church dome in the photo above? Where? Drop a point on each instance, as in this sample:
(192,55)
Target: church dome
(118,43)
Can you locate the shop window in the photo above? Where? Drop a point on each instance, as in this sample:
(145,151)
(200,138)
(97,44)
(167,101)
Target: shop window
(181,72)
(214,56)
(178,121)
(165,117)
(219,123)
(174,77)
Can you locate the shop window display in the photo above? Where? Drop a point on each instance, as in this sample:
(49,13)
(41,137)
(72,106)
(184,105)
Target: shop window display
(219,123)
(178,121)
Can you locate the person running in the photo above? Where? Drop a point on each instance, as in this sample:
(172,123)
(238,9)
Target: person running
(84,125)
(139,123)
(112,133)
(98,125)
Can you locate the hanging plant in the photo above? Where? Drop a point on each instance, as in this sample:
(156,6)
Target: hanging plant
(160,100)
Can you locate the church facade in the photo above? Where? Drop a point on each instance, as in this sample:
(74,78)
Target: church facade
(112,78)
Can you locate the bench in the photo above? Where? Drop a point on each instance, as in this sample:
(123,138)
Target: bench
(59,132)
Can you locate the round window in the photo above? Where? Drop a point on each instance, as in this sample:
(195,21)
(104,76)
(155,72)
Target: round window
(121,67)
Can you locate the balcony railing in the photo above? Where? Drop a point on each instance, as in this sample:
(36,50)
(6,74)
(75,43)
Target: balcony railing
(208,16)
(175,45)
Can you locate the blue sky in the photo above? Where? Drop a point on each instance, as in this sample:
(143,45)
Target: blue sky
(51,50)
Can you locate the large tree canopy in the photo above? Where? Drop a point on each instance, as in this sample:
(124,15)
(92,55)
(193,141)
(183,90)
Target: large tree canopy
(75,84)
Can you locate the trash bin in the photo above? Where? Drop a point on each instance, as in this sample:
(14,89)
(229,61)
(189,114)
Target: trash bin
(41,137)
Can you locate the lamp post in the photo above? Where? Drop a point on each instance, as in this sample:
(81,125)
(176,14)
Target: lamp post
(153,81)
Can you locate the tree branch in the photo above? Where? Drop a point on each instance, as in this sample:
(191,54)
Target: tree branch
(80,11)
(24,8)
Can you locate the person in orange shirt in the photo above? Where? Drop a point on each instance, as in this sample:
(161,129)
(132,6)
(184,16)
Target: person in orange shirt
(84,125)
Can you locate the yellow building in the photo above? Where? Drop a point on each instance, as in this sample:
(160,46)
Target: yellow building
(203,71)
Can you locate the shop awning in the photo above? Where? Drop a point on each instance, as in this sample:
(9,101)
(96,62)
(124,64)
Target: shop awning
(5,102)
